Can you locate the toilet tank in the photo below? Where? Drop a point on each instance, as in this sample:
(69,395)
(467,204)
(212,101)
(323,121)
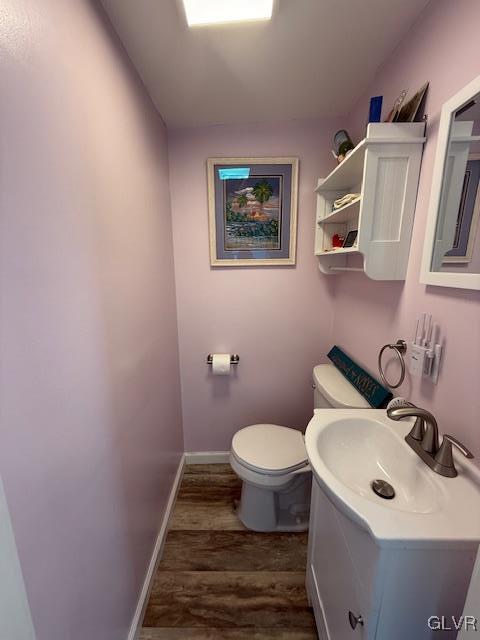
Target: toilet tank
(333,391)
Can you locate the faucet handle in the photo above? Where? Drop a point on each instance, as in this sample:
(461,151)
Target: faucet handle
(459,445)
(444,455)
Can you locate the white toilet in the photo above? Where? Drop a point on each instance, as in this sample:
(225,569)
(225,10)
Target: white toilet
(272,461)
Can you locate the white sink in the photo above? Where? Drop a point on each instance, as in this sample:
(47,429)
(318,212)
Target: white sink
(358,450)
(348,449)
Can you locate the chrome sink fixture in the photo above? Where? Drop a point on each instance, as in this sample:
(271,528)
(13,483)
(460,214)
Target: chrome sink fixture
(423,438)
(391,539)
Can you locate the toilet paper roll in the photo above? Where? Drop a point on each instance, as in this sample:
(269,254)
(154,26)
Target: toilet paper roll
(221,364)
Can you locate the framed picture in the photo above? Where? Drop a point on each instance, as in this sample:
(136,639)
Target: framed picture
(252,205)
(412,111)
(468,215)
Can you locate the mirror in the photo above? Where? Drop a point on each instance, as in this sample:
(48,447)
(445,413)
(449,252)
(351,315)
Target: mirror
(451,255)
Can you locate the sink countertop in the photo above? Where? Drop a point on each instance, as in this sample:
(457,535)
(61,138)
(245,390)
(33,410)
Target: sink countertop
(347,448)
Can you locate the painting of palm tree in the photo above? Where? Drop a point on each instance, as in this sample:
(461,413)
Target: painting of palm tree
(252,213)
(242,200)
(262,192)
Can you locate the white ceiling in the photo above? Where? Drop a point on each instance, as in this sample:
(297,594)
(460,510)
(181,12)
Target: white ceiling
(313,59)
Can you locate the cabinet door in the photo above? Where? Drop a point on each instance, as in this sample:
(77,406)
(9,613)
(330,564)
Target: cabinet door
(336,594)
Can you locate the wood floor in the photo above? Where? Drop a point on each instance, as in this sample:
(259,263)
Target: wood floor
(218,581)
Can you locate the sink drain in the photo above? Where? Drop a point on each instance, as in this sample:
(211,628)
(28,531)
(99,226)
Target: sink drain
(383,489)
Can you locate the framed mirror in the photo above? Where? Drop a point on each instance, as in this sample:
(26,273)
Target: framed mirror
(451,254)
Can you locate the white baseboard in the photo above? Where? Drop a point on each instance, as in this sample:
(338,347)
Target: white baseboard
(207,457)
(136,625)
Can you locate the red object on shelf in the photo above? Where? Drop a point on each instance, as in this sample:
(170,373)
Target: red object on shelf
(337,240)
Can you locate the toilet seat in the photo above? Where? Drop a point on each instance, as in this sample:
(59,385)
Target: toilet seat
(270,449)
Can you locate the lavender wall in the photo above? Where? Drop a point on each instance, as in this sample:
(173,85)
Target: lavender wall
(90,433)
(278,319)
(442,47)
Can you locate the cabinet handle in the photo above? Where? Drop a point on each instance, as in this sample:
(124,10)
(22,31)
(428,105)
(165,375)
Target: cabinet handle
(354,620)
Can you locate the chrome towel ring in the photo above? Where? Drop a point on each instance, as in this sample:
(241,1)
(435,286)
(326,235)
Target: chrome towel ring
(400,347)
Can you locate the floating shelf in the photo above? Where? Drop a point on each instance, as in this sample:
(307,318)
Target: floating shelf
(339,251)
(384,168)
(343,214)
(347,173)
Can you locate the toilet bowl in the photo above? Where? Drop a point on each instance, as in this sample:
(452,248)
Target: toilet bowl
(271,460)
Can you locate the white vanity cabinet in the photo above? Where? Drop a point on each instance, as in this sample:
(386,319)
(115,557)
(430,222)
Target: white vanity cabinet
(391,590)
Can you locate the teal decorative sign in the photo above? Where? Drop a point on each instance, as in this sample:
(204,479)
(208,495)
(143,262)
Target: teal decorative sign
(373,392)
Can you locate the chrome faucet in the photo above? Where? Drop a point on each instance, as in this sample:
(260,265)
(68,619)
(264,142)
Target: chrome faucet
(423,439)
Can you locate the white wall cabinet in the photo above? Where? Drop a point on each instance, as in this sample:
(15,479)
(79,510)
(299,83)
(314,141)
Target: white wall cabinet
(392,590)
(384,169)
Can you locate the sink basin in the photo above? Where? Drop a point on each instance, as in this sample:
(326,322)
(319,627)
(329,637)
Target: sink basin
(348,449)
(358,450)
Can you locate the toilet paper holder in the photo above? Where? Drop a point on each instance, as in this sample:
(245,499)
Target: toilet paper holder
(234,358)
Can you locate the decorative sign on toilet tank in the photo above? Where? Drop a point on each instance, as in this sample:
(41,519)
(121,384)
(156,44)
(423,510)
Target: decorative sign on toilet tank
(374,393)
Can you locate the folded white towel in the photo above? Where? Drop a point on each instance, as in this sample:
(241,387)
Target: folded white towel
(346,199)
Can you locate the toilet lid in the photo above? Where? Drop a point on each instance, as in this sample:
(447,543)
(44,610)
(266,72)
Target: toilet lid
(269,448)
